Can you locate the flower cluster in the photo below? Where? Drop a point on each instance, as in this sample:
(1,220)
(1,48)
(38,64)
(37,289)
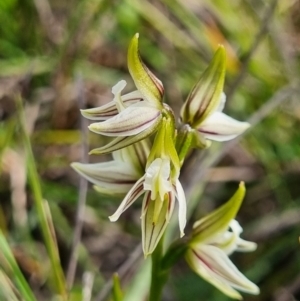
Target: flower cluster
(148,151)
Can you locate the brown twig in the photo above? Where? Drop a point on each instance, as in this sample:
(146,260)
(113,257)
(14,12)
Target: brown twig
(82,191)
(48,21)
(132,260)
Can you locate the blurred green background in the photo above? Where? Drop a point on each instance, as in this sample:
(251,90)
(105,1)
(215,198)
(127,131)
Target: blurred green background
(55,53)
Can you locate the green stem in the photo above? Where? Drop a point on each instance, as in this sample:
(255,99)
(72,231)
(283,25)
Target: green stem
(34,182)
(158,276)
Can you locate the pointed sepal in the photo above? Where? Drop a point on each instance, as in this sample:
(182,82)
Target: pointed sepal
(145,81)
(206,96)
(153,228)
(131,121)
(214,266)
(130,198)
(180,195)
(219,220)
(121,142)
(164,145)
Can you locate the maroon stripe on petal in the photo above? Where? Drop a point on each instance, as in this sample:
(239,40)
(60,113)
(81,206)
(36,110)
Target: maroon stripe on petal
(155,80)
(207,132)
(211,267)
(149,121)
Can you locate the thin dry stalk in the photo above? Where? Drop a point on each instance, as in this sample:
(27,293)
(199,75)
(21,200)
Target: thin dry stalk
(82,190)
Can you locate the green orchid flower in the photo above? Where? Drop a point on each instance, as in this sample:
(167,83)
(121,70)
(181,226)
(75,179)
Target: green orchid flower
(214,238)
(202,110)
(133,116)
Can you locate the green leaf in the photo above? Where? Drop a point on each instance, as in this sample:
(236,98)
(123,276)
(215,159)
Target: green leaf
(7,289)
(117,294)
(11,268)
(41,207)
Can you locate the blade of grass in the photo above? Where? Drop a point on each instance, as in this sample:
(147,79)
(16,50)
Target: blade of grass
(20,66)
(7,289)
(10,266)
(6,137)
(34,182)
(159,21)
(117,294)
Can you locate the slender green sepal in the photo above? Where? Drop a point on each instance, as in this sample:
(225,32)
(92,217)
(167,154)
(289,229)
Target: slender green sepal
(170,149)
(164,145)
(205,96)
(219,219)
(145,81)
(121,142)
(153,227)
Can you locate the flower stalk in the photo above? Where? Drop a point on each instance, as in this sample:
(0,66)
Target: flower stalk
(159,276)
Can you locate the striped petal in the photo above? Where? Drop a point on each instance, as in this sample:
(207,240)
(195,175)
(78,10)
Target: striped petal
(115,176)
(121,142)
(230,241)
(220,127)
(152,231)
(179,192)
(110,109)
(136,154)
(157,178)
(213,265)
(131,121)
(130,198)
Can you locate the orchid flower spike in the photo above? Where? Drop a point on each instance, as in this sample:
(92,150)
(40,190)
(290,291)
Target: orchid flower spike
(214,238)
(203,108)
